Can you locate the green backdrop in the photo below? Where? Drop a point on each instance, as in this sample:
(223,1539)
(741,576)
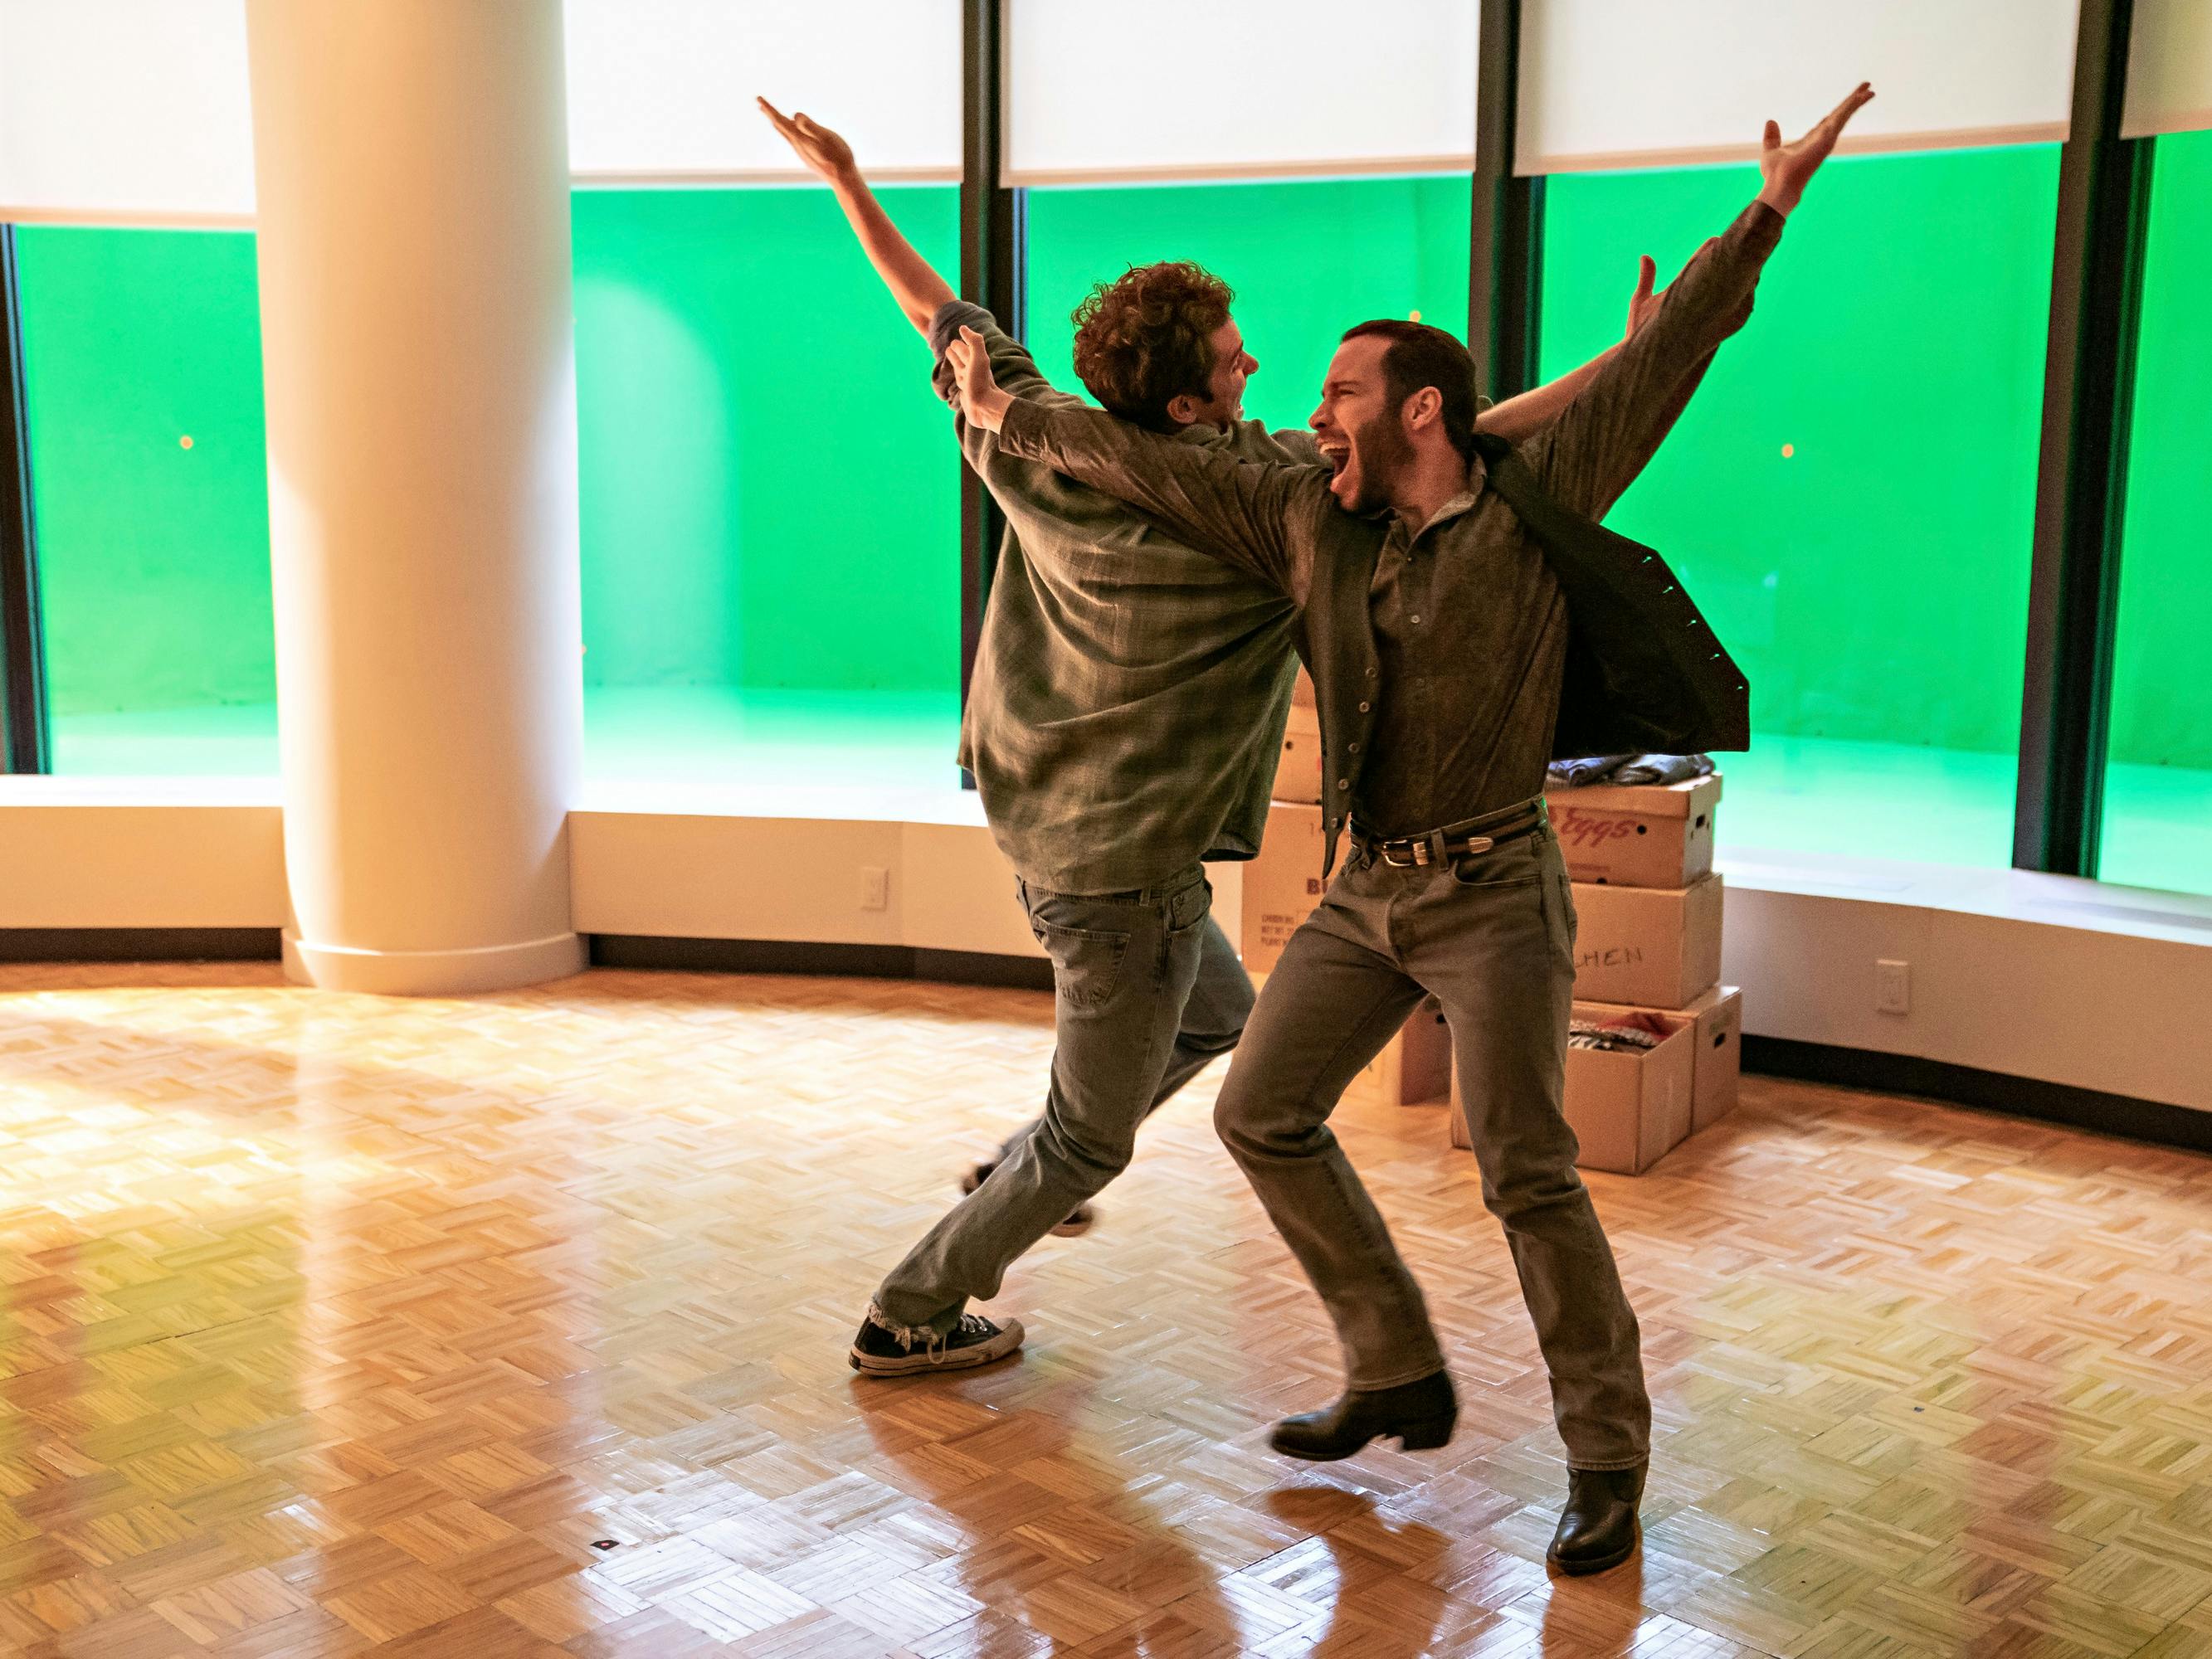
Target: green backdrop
(1873,581)
(2161,695)
(1307,261)
(153,558)
(770,489)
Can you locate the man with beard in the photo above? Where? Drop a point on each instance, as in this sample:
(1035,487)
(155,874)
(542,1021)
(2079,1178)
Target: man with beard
(1123,723)
(1437,630)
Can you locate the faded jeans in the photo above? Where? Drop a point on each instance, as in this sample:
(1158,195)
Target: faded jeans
(1146,991)
(1492,935)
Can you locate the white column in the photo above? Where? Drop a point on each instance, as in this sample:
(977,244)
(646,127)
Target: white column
(412,160)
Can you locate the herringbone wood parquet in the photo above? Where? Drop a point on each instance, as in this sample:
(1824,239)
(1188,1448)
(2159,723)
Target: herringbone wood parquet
(332,1326)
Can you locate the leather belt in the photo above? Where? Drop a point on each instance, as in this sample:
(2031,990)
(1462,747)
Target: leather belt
(1456,840)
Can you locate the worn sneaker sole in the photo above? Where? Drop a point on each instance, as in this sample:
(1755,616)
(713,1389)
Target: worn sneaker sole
(1005,1343)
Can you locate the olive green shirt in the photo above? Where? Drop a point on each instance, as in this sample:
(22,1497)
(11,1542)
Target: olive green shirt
(1126,712)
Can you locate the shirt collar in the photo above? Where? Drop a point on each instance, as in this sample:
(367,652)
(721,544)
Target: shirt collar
(1478,479)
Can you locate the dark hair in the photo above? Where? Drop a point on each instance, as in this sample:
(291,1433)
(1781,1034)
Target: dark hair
(1420,355)
(1143,340)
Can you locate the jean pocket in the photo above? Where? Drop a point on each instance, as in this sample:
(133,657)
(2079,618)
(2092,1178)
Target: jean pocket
(1086,962)
(1190,906)
(1513,865)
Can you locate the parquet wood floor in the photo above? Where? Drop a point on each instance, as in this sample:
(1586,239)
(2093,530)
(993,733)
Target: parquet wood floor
(516,1327)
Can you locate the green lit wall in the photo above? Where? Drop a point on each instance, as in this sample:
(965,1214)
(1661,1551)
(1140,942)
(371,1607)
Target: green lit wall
(1307,261)
(2161,697)
(770,489)
(154,557)
(1873,582)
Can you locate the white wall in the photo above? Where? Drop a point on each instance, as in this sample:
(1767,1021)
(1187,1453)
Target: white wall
(2043,977)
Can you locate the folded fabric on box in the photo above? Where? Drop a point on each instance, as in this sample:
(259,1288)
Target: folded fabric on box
(1627,769)
(1625,1034)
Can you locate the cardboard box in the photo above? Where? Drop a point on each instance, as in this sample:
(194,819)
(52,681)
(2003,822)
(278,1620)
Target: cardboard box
(1720,1055)
(1282,884)
(1628,1109)
(1717,1018)
(1298,770)
(1644,835)
(1414,1065)
(1649,947)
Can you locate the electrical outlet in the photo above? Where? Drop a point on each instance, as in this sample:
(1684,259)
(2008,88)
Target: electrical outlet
(875,887)
(1893,988)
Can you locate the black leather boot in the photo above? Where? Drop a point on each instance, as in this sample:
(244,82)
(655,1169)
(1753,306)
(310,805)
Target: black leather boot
(1420,1414)
(1597,1529)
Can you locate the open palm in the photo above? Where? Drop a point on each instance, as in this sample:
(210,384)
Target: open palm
(1787,168)
(821,150)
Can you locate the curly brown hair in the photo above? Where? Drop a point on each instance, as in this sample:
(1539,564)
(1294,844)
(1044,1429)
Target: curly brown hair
(1143,340)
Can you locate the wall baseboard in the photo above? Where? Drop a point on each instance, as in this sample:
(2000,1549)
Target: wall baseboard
(141,944)
(1989,1091)
(747,956)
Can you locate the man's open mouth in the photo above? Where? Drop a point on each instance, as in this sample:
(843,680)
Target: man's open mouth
(1334,452)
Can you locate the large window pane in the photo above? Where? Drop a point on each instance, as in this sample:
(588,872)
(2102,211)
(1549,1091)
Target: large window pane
(1852,495)
(770,493)
(1307,260)
(2158,784)
(143,364)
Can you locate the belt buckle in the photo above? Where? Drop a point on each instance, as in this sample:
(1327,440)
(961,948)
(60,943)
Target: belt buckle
(1420,854)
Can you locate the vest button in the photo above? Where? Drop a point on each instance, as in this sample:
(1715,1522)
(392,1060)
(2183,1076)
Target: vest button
(1363,707)
(1344,783)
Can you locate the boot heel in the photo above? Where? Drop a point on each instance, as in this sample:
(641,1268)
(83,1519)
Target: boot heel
(1428,1434)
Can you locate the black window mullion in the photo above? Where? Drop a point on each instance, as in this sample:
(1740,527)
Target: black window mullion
(2096,289)
(25,739)
(993,255)
(1506,239)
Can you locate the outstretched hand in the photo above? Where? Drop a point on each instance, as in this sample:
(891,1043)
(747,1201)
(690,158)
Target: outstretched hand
(1787,168)
(822,151)
(981,400)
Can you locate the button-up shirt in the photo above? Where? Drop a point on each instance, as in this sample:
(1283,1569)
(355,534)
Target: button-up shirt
(1463,641)
(1126,713)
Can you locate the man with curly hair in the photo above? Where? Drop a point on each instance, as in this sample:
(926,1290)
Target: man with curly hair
(1123,723)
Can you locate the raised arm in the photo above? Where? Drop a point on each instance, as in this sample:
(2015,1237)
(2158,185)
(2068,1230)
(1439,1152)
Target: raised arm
(913,282)
(1243,513)
(1594,450)
(1519,418)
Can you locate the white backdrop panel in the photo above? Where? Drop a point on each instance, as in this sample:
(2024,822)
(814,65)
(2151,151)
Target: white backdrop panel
(663,89)
(2169,67)
(1620,83)
(1236,89)
(125,111)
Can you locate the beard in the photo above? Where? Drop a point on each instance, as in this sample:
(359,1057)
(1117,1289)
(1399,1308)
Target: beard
(1385,453)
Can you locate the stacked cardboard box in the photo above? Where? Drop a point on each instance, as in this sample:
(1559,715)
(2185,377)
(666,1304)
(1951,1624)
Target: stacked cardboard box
(1648,946)
(1282,885)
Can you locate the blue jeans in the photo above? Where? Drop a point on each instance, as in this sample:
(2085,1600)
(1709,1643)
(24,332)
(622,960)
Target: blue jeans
(1146,990)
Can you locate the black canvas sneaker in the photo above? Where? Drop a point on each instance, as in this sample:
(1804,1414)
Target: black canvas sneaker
(882,1351)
